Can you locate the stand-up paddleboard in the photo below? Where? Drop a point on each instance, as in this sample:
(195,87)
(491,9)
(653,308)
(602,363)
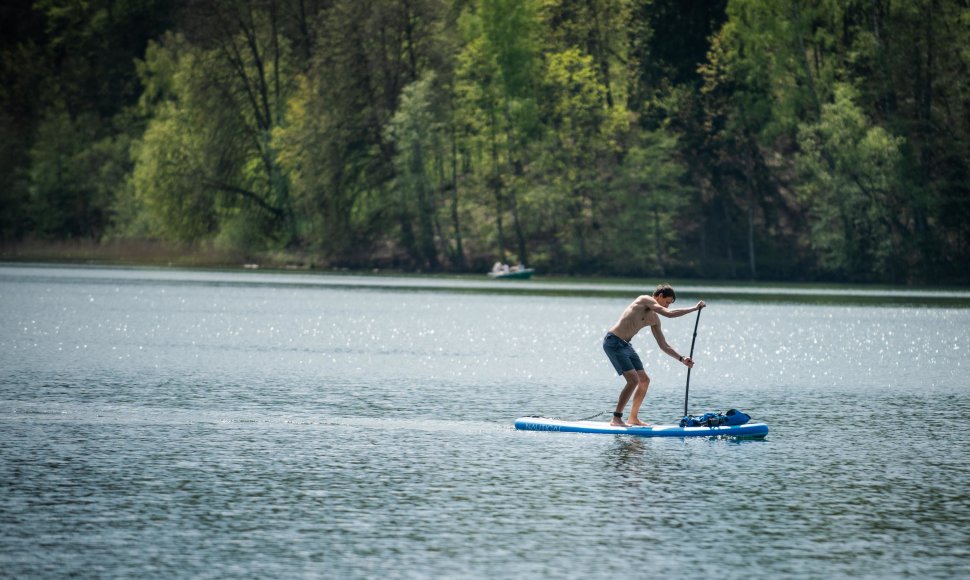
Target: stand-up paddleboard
(747,431)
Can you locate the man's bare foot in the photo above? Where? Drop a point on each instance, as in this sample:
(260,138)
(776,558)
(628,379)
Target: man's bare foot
(638,423)
(618,423)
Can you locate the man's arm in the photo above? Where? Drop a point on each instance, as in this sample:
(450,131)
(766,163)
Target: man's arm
(676,312)
(662,343)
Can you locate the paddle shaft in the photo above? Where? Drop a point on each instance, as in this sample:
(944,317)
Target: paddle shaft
(687,388)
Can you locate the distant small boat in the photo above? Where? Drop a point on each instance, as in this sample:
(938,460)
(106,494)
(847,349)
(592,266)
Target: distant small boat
(522,274)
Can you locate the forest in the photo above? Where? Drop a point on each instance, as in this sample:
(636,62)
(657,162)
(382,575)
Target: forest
(773,140)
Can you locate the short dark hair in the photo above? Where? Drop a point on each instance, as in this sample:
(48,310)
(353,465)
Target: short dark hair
(665,290)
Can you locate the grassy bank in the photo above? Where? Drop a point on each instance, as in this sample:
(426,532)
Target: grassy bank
(150,253)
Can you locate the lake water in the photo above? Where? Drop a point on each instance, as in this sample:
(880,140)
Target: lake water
(167,423)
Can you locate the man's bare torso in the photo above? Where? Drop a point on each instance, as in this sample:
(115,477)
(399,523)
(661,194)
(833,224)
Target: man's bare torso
(635,318)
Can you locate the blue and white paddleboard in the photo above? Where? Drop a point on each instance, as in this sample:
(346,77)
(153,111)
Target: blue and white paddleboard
(748,430)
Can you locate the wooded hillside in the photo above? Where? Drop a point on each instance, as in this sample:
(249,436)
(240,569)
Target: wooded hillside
(741,139)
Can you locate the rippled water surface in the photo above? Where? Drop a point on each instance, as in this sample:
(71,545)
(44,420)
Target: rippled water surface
(184,423)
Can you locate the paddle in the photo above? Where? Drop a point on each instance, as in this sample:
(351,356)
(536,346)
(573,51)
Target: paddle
(687,389)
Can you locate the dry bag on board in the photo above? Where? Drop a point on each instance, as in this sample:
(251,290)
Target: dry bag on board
(732,417)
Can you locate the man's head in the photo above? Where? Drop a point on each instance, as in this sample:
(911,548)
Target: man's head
(665,291)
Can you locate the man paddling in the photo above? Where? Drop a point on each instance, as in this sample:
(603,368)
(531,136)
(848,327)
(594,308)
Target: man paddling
(641,313)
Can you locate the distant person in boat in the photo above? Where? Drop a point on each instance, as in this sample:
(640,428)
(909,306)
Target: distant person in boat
(500,268)
(641,313)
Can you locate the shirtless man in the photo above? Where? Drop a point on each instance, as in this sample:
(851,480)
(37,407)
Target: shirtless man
(641,313)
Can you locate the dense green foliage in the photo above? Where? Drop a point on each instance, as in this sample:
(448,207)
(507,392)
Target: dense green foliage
(768,139)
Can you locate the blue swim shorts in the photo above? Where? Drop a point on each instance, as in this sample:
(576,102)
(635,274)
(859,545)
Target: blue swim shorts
(621,354)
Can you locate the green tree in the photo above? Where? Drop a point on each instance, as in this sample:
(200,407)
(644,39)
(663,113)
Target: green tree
(648,208)
(251,67)
(207,151)
(912,70)
(170,174)
(851,185)
(417,131)
(496,83)
(337,149)
(769,68)
(601,29)
(578,136)
(25,74)
(63,192)
(67,77)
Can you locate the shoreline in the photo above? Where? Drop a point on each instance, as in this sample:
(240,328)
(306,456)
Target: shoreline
(551,286)
(154,254)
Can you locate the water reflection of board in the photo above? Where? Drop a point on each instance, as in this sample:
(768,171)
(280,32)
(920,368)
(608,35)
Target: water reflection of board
(748,430)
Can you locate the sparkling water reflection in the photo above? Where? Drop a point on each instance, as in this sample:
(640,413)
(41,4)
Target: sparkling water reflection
(217,424)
